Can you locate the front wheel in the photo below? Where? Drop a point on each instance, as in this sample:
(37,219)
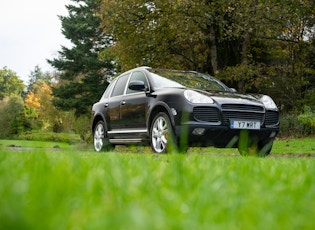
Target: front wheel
(101,141)
(250,146)
(161,134)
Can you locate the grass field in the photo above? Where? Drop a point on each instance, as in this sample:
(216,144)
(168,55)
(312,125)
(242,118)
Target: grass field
(60,186)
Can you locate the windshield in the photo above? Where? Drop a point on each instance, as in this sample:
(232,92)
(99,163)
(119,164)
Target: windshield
(173,78)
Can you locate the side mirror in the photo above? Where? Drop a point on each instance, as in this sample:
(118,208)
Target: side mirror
(233,90)
(137,85)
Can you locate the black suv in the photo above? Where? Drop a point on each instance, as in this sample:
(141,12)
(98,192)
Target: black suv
(171,109)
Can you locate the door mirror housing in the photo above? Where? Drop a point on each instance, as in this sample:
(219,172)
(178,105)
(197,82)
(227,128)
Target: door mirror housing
(137,85)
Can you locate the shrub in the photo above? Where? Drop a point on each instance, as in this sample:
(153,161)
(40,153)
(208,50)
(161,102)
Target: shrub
(308,119)
(82,127)
(295,125)
(290,126)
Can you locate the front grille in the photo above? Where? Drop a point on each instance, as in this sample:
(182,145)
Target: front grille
(236,112)
(236,115)
(242,112)
(207,114)
(239,107)
(271,118)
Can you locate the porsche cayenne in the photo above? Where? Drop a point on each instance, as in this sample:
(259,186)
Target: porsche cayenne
(172,110)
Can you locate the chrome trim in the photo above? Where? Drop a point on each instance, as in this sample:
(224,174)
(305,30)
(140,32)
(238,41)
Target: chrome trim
(128,131)
(125,141)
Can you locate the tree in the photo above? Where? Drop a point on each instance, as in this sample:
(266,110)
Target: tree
(13,120)
(82,75)
(41,102)
(288,46)
(36,76)
(153,33)
(198,35)
(10,84)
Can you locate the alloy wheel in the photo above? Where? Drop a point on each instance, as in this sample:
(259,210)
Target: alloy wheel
(99,133)
(159,134)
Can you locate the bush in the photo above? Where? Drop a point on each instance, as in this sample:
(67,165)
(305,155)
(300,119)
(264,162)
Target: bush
(82,127)
(308,119)
(292,126)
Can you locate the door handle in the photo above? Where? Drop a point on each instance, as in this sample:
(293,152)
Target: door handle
(123,102)
(106,105)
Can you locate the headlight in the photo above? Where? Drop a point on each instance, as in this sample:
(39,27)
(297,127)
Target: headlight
(268,102)
(195,97)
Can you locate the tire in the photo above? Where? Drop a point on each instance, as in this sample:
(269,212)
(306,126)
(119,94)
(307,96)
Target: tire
(249,146)
(101,141)
(162,135)
(265,148)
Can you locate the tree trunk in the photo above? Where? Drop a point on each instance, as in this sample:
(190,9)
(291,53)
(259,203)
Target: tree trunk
(213,50)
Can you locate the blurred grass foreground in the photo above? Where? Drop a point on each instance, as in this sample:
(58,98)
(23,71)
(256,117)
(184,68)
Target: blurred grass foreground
(88,190)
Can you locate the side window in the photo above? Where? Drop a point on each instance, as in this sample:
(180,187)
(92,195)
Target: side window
(137,76)
(108,89)
(120,86)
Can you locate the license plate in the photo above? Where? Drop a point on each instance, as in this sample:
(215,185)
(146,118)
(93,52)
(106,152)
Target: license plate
(244,124)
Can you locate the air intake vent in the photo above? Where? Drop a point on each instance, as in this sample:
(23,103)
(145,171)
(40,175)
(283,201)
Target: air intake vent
(207,114)
(271,118)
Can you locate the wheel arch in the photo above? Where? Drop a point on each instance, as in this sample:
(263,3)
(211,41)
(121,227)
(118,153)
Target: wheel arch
(96,119)
(160,107)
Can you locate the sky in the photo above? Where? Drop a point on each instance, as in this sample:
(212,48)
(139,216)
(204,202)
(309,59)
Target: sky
(30,33)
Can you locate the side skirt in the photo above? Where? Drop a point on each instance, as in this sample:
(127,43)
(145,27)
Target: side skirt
(124,136)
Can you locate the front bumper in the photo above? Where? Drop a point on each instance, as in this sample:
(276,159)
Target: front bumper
(221,136)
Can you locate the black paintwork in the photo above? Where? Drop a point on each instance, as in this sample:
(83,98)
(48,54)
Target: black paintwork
(129,117)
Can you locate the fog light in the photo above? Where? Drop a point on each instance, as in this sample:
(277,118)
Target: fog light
(198,131)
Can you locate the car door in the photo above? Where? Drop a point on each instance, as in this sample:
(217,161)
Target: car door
(114,103)
(134,105)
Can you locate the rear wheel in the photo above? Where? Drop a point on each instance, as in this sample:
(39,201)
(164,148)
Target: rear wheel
(161,134)
(101,141)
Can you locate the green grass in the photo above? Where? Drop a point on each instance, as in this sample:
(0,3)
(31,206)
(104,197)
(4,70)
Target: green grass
(294,146)
(74,189)
(31,146)
(49,136)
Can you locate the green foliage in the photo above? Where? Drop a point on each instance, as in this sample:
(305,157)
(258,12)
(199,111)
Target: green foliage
(82,127)
(308,118)
(37,78)
(249,77)
(10,84)
(84,190)
(298,124)
(13,119)
(32,117)
(291,126)
(82,75)
(264,46)
(309,99)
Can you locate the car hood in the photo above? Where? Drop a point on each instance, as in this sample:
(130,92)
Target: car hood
(234,98)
